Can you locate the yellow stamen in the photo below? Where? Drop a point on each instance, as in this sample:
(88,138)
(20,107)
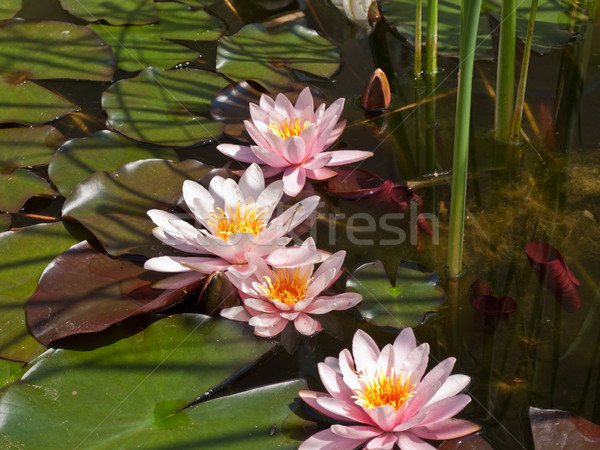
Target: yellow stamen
(285,130)
(225,225)
(383,390)
(286,289)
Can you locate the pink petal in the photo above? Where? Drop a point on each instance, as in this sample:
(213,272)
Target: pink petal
(326,440)
(268,157)
(320,174)
(294,150)
(383,416)
(334,262)
(232,195)
(343,408)
(200,202)
(416,361)
(256,134)
(306,325)
(404,344)
(272,330)
(333,382)
(335,134)
(304,101)
(447,429)
(341,157)
(288,220)
(178,281)
(294,179)
(318,161)
(311,398)
(259,305)
(340,302)
(452,386)
(284,106)
(266,103)
(289,315)
(265,320)
(269,198)
(365,351)
(444,409)
(384,441)
(239,153)
(252,182)
(293,257)
(238,313)
(408,441)
(356,431)
(166,264)
(270,172)
(347,369)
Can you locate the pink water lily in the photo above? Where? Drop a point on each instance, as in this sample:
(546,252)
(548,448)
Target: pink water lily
(382,398)
(291,139)
(233,227)
(285,288)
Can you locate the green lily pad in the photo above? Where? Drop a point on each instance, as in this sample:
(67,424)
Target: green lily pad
(179,21)
(113,205)
(8,8)
(30,104)
(265,54)
(102,151)
(137,387)
(20,185)
(77,52)
(5,221)
(116,12)
(138,47)
(25,147)
(416,292)
(165,107)
(8,370)
(400,14)
(24,256)
(198,3)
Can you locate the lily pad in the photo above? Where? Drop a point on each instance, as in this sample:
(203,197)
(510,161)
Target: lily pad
(8,8)
(138,47)
(103,151)
(165,107)
(5,221)
(404,304)
(113,205)
(198,3)
(30,104)
(560,430)
(76,52)
(179,21)
(116,12)
(20,185)
(265,54)
(25,254)
(25,147)
(8,370)
(102,291)
(138,386)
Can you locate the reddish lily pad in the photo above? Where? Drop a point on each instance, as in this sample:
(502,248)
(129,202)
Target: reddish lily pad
(560,430)
(554,274)
(77,52)
(25,147)
(101,291)
(416,292)
(116,12)
(469,442)
(179,21)
(113,205)
(24,256)
(165,107)
(102,151)
(30,104)
(265,55)
(19,186)
(138,47)
(8,8)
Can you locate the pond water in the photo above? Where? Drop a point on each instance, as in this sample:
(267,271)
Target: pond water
(546,188)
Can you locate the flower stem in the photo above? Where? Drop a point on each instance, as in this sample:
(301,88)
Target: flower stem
(418,39)
(470,11)
(505,81)
(431,38)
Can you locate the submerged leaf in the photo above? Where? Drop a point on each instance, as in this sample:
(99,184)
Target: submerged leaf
(102,291)
(554,274)
(560,430)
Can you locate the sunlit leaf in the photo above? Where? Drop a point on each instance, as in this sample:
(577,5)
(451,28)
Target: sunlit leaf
(137,385)
(47,50)
(20,185)
(116,12)
(8,370)
(198,3)
(5,221)
(24,256)
(103,151)
(23,147)
(113,205)
(416,292)
(265,54)
(30,104)
(165,107)
(179,21)
(102,291)
(560,430)
(9,8)
(138,47)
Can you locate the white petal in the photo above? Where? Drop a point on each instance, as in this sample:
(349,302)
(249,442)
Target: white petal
(252,182)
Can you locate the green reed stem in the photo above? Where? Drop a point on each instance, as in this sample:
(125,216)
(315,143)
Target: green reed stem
(418,39)
(470,11)
(431,38)
(520,100)
(505,81)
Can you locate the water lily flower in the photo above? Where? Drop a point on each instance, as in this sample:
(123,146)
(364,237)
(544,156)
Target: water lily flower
(282,289)
(290,139)
(382,398)
(234,226)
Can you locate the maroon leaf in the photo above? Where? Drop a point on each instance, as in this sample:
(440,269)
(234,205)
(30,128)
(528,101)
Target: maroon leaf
(560,430)
(553,273)
(353,183)
(469,442)
(85,291)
